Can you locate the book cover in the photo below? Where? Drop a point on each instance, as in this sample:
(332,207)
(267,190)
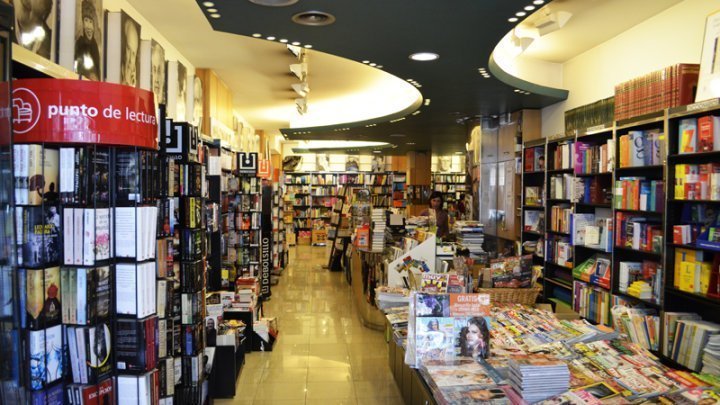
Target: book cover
(687,135)
(43,302)
(46,356)
(98,175)
(127,176)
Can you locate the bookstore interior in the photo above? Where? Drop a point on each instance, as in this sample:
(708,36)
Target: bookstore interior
(525,212)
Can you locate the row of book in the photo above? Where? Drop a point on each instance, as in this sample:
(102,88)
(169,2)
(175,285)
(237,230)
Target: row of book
(592,190)
(561,218)
(640,325)
(697,182)
(591,302)
(591,158)
(655,91)
(641,148)
(696,271)
(593,229)
(534,159)
(687,336)
(561,187)
(637,193)
(563,156)
(594,270)
(638,233)
(450,188)
(601,112)
(559,251)
(699,134)
(642,280)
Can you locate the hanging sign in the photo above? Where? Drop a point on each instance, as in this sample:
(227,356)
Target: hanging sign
(247,163)
(266,242)
(81,111)
(265,169)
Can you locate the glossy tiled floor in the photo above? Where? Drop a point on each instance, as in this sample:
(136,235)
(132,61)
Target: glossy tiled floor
(323,355)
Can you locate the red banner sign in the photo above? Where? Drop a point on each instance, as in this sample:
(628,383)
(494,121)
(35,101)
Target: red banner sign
(265,169)
(78,111)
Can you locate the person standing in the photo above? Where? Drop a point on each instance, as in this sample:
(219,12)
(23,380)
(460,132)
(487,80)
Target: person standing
(438,215)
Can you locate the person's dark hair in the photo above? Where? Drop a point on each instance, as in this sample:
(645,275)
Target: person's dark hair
(88,10)
(484,332)
(464,351)
(436,194)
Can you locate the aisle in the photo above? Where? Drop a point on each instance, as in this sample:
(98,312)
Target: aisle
(323,354)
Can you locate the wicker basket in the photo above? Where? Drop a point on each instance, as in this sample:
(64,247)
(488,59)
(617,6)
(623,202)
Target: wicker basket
(525,296)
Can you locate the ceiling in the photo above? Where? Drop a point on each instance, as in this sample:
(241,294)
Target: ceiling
(463,33)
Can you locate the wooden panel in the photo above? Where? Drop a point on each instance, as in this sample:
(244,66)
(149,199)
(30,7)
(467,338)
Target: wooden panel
(398,163)
(531,125)
(419,168)
(217,100)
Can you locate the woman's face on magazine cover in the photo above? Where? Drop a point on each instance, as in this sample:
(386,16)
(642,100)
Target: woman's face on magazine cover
(473,334)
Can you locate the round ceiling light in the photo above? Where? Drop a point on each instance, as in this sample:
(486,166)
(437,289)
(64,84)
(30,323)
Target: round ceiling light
(313,18)
(424,56)
(274,3)
(256,35)
(512,19)
(208,4)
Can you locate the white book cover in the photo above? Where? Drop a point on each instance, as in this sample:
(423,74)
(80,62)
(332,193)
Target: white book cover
(68,247)
(125,223)
(77,239)
(162,338)
(178,370)
(89,237)
(126,291)
(17,172)
(161,298)
(67,170)
(128,387)
(102,233)
(72,346)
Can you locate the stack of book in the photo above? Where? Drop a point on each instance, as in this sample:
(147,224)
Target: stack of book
(563,156)
(390,297)
(591,158)
(711,356)
(471,236)
(379,224)
(690,339)
(642,148)
(539,378)
(640,325)
(697,182)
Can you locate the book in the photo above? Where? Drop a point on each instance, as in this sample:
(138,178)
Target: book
(45,350)
(38,229)
(122,45)
(43,297)
(135,289)
(687,135)
(135,342)
(143,389)
(86,292)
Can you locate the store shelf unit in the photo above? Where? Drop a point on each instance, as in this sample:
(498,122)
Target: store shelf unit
(693,200)
(558,250)
(533,201)
(452,185)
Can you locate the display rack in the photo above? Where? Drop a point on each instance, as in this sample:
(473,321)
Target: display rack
(533,201)
(246,223)
(280,252)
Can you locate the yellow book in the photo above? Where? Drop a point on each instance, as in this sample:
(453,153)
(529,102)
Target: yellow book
(687,277)
(680,182)
(703,286)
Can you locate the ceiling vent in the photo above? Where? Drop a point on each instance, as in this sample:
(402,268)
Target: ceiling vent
(313,18)
(274,3)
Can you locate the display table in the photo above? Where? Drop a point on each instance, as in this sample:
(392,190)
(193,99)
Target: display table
(360,263)
(411,384)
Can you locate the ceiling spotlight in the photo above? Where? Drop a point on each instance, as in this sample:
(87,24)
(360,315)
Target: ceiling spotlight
(424,56)
(313,18)
(308,46)
(366,61)
(529,8)
(283,40)
(270,38)
(256,35)
(538,2)
(377,151)
(379,66)
(521,14)
(212,10)
(416,112)
(427,102)
(274,3)
(215,15)
(296,43)
(410,143)
(512,19)
(409,80)
(208,3)
(373,64)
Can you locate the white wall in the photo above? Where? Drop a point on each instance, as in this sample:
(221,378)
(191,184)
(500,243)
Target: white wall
(672,36)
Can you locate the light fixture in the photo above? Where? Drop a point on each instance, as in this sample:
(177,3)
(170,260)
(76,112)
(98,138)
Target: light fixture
(529,8)
(274,3)
(409,80)
(215,15)
(521,14)
(538,2)
(283,40)
(256,35)
(301,105)
(379,66)
(295,43)
(302,89)
(208,4)
(377,151)
(427,102)
(212,10)
(366,61)
(552,22)
(424,56)
(308,46)
(270,38)
(513,19)
(410,143)
(298,52)
(313,18)
(373,64)
(299,70)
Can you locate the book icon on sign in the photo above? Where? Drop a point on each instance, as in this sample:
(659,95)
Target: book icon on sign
(22,110)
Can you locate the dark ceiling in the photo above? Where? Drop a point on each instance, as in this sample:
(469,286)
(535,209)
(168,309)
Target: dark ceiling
(463,32)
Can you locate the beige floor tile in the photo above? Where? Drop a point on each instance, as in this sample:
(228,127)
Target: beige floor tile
(335,374)
(234,401)
(278,402)
(381,401)
(285,374)
(288,361)
(369,389)
(314,348)
(314,361)
(281,391)
(333,401)
(325,390)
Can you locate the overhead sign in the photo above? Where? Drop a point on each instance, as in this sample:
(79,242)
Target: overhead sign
(265,169)
(181,141)
(247,163)
(80,111)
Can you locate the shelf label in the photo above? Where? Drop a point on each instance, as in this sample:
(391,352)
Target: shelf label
(80,111)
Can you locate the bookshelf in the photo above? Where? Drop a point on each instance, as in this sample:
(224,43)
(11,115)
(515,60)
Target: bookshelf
(280,252)
(399,200)
(558,250)
(691,256)
(532,236)
(452,185)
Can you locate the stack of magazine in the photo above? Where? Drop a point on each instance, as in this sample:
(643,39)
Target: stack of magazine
(471,236)
(539,378)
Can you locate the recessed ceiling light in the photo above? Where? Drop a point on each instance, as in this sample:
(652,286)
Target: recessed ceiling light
(377,151)
(256,35)
(274,3)
(379,66)
(512,19)
(283,40)
(538,2)
(520,14)
(410,143)
(529,8)
(212,10)
(313,18)
(308,46)
(424,56)
(373,64)
(458,153)
(296,43)
(208,4)
(427,102)
(216,15)
(366,61)
(270,38)
(409,80)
